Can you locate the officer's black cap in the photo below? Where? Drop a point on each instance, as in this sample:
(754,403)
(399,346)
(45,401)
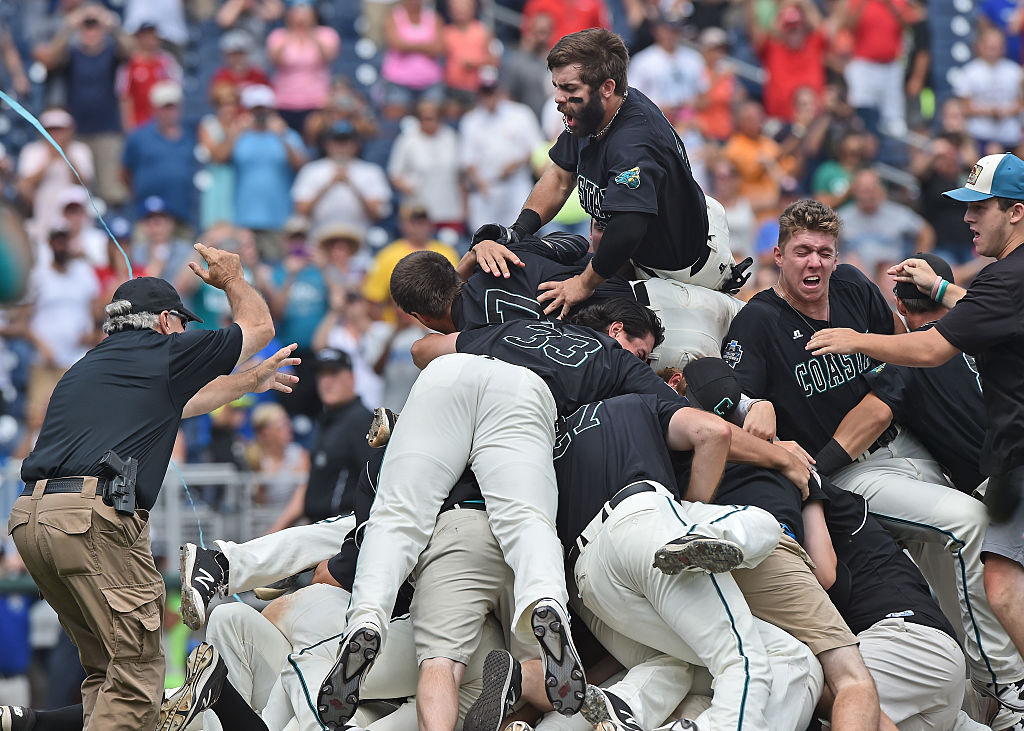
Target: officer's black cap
(152,294)
(711,385)
(907,290)
(332,359)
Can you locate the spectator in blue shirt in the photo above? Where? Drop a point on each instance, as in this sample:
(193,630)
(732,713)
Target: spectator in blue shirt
(159,157)
(266,153)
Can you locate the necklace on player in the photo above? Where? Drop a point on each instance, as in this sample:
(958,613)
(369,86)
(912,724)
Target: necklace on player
(782,294)
(600,134)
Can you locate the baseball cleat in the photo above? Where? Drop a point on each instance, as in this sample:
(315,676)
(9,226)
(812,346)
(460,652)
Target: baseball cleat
(681,724)
(503,685)
(698,553)
(339,694)
(202,578)
(605,711)
(278,588)
(205,673)
(564,681)
(381,427)
(16,718)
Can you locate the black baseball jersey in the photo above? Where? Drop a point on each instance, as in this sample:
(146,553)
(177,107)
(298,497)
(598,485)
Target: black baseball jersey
(943,408)
(766,489)
(640,166)
(127,394)
(988,323)
(336,459)
(765,346)
(488,300)
(578,364)
(884,582)
(343,566)
(604,446)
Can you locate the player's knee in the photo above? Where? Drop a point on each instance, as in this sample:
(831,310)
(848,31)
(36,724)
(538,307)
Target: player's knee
(229,618)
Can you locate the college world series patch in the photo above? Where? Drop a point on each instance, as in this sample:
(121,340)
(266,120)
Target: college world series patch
(733,353)
(630,178)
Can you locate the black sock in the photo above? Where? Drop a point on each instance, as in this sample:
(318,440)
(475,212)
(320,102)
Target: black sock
(69,718)
(222,561)
(234,713)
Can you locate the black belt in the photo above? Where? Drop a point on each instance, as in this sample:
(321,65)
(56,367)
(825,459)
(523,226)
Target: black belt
(466,505)
(606,511)
(640,292)
(64,485)
(884,439)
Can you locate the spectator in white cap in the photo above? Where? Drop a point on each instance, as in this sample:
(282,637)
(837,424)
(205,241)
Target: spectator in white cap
(42,174)
(86,240)
(159,157)
(239,68)
(265,153)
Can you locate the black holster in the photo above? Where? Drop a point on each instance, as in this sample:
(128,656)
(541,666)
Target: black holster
(119,490)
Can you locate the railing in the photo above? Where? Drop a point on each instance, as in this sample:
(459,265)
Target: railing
(224,508)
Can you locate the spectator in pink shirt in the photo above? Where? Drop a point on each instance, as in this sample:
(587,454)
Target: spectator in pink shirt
(301,53)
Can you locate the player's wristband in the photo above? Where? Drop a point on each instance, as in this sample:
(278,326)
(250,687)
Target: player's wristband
(831,457)
(528,223)
(938,289)
(942,291)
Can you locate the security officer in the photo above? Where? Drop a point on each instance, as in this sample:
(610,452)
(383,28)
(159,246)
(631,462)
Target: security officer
(81,524)
(340,450)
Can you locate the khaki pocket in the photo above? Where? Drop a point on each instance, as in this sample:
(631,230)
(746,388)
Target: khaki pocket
(18,517)
(68,536)
(137,613)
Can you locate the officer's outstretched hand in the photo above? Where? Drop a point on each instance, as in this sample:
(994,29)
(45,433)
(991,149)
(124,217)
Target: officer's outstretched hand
(268,375)
(224,267)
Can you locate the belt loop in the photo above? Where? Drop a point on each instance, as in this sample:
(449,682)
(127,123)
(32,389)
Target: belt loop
(37,491)
(89,485)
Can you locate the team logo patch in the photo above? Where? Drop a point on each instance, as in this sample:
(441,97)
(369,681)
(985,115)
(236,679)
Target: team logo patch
(878,369)
(971,179)
(733,354)
(629,178)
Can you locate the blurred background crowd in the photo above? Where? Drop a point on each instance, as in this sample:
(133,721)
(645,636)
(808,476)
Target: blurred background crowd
(323,141)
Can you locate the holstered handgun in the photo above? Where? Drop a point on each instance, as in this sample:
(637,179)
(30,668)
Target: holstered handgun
(119,491)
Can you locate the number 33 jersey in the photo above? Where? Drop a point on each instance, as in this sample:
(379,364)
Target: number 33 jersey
(578,364)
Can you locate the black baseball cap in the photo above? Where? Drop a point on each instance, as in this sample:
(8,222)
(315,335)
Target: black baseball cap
(711,385)
(908,291)
(332,359)
(152,294)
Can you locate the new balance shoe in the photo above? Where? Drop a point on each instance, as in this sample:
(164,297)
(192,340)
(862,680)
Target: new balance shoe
(16,718)
(202,578)
(698,553)
(1000,707)
(205,672)
(503,686)
(339,695)
(605,711)
(564,681)
(381,427)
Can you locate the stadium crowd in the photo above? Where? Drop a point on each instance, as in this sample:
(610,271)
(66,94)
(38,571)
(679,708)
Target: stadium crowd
(323,142)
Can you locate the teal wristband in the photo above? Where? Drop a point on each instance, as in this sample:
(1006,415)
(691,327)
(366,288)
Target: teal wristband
(942,291)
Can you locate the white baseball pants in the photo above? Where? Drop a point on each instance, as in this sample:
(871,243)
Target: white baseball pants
(498,419)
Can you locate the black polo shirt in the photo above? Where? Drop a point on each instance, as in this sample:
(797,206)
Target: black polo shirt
(336,460)
(640,166)
(988,323)
(127,394)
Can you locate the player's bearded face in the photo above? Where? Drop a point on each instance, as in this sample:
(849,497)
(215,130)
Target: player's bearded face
(585,119)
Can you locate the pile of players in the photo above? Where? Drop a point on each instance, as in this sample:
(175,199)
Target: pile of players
(587,445)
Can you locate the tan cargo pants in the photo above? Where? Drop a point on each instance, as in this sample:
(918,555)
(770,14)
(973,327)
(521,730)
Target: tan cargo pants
(95,568)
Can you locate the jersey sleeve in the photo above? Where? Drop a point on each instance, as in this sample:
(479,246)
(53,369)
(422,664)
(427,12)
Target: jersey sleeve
(746,351)
(561,247)
(634,175)
(988,314)
(199,356)
(666,409)
(565,152)
(891,384)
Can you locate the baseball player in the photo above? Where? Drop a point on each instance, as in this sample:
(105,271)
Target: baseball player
(619,508)
(631,173)
(812,393)
(501,283)
(907,643)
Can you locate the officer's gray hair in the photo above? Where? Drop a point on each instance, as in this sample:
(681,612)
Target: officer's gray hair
(120,317)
